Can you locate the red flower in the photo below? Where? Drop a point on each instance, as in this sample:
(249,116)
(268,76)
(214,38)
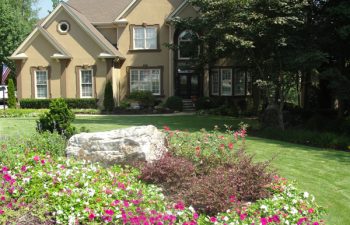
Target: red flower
(232,198)
(311,210)
(42,162)
(230,145)
(166,128)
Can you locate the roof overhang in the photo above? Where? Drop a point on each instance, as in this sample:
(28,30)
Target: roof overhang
(21,56)
(60,56)
(178,10)
(126,10)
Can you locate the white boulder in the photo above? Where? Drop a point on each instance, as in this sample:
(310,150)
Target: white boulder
(123,146)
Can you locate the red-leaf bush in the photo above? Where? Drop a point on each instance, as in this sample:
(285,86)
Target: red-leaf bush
(170,172)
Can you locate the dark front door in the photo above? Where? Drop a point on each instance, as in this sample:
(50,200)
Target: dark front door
(188,85)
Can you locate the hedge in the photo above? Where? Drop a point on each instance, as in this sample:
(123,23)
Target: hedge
(74,103)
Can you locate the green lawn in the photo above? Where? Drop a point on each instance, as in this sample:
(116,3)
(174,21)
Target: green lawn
(324,173)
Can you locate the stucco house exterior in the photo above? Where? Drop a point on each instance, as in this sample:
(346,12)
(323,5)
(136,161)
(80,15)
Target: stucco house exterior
(84,43)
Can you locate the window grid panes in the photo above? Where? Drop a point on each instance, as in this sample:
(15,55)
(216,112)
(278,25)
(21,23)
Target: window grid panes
(226,82)
(145,80)
(239,83)
(41,78)
(249,84)
(145,38)
(215,82)
(86,83)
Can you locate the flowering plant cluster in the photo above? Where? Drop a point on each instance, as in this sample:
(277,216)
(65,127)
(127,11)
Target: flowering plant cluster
(79,193)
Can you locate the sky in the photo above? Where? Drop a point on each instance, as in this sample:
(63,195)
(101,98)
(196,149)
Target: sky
(44,6)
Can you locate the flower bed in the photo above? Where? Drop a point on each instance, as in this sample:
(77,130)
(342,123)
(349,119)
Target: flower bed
(48,189)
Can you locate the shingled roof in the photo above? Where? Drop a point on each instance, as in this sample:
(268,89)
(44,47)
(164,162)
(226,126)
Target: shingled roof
(102,11)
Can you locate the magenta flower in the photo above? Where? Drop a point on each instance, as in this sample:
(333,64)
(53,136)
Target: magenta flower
(36,158)
(264,221)
(7,177)
(109,212)
(302,220)
(232,198)
(24,169)
(2,211)
(311,210)
(243,216)
(92,216)
(213,219)
(315,223)
(195,216)
(179,205)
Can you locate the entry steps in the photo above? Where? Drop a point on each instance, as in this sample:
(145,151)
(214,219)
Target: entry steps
(188,105)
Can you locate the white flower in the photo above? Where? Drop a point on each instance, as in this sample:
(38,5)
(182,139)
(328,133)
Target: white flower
(286,222)
(294,211)
(264,207)
(294,201)
(26,180)
(71,220)
(91,192)
(78,200)
(59,212)
(226,218)
(180,213)
(286,207)
(191,209)
(306,194)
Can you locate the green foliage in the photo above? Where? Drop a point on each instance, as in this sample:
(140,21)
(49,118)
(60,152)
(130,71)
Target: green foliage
(11,102)
(145,98)
(59,118)
(75,103)
(174,103)
(108,100)
(21,112)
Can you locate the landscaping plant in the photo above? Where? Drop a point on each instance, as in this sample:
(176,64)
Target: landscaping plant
(108,100)
(58,119)
(11,102)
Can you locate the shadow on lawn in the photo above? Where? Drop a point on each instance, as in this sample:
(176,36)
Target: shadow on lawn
(188,123)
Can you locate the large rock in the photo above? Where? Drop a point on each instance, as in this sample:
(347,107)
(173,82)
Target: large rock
(123,146)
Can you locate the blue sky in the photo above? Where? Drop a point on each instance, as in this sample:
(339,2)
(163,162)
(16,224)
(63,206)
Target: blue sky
(44,6)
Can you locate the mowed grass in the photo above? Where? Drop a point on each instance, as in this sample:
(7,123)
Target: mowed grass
(324,173)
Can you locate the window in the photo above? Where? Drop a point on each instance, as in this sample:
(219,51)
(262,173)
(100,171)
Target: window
(86,83)
(145,37)
(63,27)
(41,84)
(226,82)
(145,80)
(215,82)
(239,83)
(187,49)
(249,84)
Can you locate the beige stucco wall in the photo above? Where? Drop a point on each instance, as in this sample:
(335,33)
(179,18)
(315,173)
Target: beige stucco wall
(152,12)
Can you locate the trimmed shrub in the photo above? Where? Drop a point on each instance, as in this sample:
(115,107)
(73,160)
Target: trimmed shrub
(58,119)
(74,103)
(11,102)
(145,98)
(174,103)
(108,101)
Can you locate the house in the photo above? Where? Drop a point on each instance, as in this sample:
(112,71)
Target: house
(84,43)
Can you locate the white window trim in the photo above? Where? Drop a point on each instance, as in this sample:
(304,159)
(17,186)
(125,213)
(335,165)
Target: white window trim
(212,83)
(221,82)
(81,84)
(138,76)
(63,23)
(244,82)
(35,84)
(144,38)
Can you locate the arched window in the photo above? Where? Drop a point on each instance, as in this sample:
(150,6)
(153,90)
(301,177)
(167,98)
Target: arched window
(186,49)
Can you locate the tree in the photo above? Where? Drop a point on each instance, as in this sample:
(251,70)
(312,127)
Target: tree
(263,34)
(108,101)
(55,3)
(17,19)
(11,101)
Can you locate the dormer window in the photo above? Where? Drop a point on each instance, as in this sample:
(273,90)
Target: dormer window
(186,49)
(63,27)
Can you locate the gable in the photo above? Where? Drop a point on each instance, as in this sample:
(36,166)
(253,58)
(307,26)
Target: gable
(184,10)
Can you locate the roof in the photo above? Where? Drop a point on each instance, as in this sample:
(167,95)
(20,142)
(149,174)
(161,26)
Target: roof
(100,11)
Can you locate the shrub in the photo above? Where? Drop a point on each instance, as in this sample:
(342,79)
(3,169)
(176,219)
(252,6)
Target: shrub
(174,103)
(145,98)
(173,173)
(71,102)
(58,119)
(108,100)
(11,102)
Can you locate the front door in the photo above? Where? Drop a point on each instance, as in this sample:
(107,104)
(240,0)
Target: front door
(188,85)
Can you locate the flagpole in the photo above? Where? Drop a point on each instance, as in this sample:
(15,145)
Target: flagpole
(3,90)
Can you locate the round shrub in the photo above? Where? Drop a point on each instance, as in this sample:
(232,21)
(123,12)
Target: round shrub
(59,118)
(145,98)
(174,103)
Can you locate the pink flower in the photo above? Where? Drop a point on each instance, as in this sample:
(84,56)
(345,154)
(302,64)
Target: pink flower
(243,216)
(92,216)
(311,210)
(108,191)
(195,216)
(126,203)
(315,223)
(179,205)
(7,177)
(2,198)
(302,220)
(263,221)
(43,162)
(213,219)
(24,169)
(121,186)
(166,128)
(2,212)
(115,203)
(230,145)
(36,158)
(5,169)
(232,198)
(109,212)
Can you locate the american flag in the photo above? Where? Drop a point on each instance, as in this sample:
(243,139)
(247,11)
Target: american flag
(5,72)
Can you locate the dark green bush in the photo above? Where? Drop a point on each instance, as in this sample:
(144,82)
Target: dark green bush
(11,102)
(73,103)
(174,103)
(108,101)
(145,98)
(58,119)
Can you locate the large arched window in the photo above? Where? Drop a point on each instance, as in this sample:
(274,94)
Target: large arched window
(186,48)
